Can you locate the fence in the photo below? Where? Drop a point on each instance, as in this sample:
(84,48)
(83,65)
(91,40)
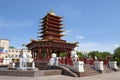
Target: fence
(68,61)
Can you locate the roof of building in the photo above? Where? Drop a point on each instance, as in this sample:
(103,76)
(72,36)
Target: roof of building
(4,39)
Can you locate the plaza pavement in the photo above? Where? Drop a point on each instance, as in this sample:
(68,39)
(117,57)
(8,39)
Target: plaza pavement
(108,76)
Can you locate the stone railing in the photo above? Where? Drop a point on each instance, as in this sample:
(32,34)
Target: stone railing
(78,66)
(98,65)
(113,65)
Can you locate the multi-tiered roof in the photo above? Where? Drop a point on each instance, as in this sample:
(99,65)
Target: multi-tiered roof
(51,27)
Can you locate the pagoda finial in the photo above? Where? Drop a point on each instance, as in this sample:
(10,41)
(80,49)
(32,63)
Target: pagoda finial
(51,12)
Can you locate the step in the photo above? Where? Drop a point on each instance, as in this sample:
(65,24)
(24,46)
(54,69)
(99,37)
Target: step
(107,69)
(89,70)
(67,71)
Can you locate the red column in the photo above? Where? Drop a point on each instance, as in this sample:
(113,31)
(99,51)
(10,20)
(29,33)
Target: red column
(69,54)
(39,52)
(50,52)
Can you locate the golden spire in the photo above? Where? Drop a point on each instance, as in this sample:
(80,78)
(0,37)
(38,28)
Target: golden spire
(51,12)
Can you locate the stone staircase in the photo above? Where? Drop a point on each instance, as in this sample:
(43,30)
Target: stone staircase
(89,70)
(66,71)
(107,69)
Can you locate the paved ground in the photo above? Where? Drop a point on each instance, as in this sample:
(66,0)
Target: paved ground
(108,76)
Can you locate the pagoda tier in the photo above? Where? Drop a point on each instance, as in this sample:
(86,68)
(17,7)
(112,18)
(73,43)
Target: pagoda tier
(52,15)
(51,22)
(52,34)
(51,30)
(51,27)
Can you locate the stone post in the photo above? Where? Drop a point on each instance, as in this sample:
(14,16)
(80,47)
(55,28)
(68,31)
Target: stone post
(74,60)
(13,65)
(98,65)
(33,65)
(113,65)
(79,66)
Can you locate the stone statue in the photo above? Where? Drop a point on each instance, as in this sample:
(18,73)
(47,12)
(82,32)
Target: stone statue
(53,60)
(23,61)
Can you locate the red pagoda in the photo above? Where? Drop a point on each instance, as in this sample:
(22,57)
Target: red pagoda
(50,42)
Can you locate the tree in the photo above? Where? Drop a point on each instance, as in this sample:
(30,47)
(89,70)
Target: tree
(117,55)
(105,54)
(63,54)
(11,47)
(92,54)
(80,54)
(117,52)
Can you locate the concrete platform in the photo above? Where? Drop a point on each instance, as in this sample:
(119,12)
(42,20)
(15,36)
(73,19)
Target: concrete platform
(108,76)
(29,73)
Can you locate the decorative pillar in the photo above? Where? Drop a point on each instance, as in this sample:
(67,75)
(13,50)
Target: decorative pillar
(39,51)
(113,65)
(34,55)
(32,52)
(69,54)
(99,65)
(50,52)
(47,54)
(79,66)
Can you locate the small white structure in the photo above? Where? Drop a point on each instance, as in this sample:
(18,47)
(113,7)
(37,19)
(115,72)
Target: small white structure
(6,61)
(33,65)
(79,66)
(53,60)
(113,65)
(95,57)
(13,65)
(98,65)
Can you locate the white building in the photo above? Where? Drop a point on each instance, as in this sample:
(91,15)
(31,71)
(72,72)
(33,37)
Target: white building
(13,52)
(4,46)
(5,51)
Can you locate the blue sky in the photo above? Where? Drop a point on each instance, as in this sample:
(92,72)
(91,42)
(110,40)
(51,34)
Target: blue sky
(95,24)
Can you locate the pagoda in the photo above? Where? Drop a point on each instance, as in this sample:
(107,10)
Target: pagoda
(50,41)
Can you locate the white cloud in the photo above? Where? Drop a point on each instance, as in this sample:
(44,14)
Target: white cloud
(79,37)
(116,45)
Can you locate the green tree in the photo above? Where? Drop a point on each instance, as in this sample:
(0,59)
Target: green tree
(80,54)
(105,54)
(117,52)
(62,54)
(92,54)
(116,55)
(11,47)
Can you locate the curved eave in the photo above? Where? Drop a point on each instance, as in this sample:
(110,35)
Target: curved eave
(50,29)
(51,22)
(49,15)
(51,25)
(51,34)
(54,16)
(55,34)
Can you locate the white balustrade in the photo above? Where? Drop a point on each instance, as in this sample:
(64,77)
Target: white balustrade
(98,65)
(113,65)
(79,66)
